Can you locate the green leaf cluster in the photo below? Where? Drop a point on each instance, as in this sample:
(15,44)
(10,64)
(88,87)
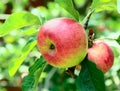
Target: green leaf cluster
(90,78)
(30,82)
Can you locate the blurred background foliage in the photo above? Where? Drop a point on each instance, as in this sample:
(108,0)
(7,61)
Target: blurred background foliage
(105,22)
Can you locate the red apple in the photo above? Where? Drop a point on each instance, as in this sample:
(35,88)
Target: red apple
(101,27)
(102,55)
(62,42)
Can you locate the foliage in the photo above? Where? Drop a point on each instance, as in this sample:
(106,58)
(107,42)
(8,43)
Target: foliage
(90,78)
(18,20)
(13,67)
(68,6)
(31,80)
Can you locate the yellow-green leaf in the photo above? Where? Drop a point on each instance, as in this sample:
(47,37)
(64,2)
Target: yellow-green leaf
(18,20)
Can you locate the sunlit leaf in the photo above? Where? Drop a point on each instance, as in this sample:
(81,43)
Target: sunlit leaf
(95,4)
(18,20)
(2,7)
(90,78)
(118,6)
(106,6)
(30,32)
(100,5)
(13,67)
(30,82)
(68,6)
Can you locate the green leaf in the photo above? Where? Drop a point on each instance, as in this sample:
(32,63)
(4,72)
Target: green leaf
(95,4)
(30,82)
(68,6)
(100,5)
(106,6)
(14,65)
(118,40)
(30,31)
(118,6)
(18,20)
(90,78)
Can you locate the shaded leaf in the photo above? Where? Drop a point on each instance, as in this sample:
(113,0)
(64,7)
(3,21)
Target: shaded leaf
(30,82)
(68,6)
(14,65)
(118,40)
(18,20)
(90,78)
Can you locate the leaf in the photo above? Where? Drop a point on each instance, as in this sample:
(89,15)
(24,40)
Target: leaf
(118,6)
(100,5)
(18,20)
(30,82)
(69,7)
(95,4)
(14,65)
(30,31)
(106,6)
(118,40)
(90,78)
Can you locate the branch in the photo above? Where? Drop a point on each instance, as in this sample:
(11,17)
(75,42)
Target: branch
(49,76)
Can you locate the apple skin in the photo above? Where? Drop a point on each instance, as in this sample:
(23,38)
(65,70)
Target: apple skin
(62,42)
(102,55)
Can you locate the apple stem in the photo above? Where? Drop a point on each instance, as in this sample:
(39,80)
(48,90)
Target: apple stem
(49,76)
(87,18)
(70,71)
(90,38)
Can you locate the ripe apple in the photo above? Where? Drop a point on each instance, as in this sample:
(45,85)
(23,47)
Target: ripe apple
(62,42)
(102,55)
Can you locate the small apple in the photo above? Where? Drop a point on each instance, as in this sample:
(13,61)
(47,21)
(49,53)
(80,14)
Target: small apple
(101,27)
(102,55)
(62,42)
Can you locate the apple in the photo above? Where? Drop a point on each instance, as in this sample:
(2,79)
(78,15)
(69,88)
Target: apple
(101,27)
(63,42)
(102,55)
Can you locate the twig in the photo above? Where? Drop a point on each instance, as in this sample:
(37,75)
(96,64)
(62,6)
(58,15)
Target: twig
(47,80)
(87,18)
